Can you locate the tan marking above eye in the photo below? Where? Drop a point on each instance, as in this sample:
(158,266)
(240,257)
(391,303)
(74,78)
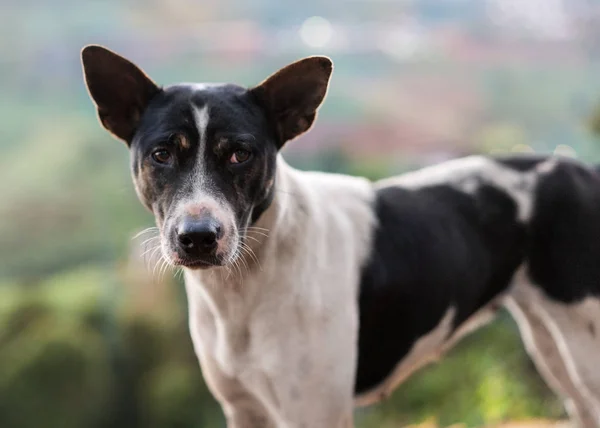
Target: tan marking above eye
(182,141)
(221,144)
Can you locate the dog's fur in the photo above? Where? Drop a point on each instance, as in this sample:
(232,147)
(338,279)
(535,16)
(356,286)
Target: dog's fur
(323,291)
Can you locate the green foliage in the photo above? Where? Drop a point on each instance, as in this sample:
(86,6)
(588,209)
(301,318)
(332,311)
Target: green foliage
(53,369)
(63,366)
(486,379)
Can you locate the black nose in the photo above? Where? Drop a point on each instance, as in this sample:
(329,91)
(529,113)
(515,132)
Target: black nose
(198,236)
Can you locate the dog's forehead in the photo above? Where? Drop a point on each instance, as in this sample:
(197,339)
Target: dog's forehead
(193,107)
(203,93)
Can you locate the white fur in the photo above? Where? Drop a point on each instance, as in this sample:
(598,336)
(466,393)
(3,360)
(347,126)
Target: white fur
(201,119)
(200,86)
(200,181)
(275,332)
(575,351)
(545,354)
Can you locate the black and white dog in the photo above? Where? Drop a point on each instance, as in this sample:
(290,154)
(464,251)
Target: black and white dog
(312,292)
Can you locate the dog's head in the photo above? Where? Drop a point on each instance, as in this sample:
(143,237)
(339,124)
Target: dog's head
(203,156)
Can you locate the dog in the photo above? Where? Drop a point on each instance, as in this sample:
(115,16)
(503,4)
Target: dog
(311,293)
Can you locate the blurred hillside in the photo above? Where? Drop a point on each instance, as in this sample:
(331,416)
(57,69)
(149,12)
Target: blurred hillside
(89,339)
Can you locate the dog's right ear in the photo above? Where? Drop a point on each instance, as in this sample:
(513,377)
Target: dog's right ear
(120,90)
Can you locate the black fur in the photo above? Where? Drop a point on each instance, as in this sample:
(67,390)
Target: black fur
(522,163)
(437,248)
(564,255)
(434,248)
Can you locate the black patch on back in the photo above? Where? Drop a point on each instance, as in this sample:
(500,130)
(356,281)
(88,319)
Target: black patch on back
(564,256)
(435,248)
(521,163)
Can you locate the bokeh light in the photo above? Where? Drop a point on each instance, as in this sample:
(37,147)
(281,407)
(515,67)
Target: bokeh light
(316,32)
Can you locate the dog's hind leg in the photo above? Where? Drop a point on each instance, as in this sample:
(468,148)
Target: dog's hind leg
(544,353)
(561,340)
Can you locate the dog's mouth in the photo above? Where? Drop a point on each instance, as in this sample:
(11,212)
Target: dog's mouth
(203,263)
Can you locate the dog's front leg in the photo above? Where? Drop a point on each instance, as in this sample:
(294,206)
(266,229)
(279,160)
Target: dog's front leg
(241,408)
(305,368)
(246,415)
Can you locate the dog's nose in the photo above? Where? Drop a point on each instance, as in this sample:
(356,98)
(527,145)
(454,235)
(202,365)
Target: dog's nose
(198,236)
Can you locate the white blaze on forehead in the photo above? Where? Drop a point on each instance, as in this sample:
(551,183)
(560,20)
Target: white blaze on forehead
(201,121)
(201,86)
(199,178)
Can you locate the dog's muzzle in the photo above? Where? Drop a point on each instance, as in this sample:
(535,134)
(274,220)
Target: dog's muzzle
(197,241)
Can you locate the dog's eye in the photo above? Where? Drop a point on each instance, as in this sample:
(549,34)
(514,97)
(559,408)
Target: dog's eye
(239,156)
(161,156)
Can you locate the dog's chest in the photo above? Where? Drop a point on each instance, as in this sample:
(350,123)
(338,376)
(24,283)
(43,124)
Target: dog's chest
(231,340)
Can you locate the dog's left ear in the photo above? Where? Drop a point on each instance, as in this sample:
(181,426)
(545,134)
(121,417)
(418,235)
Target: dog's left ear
(293,94)
(120,90)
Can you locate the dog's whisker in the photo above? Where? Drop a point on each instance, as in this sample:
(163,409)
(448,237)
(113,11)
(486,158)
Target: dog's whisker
(252,229)
(155,267)
(148,255)
(157,264)
(168,266)
(241,259)
(266,235)
(235,262)
(246,248)
(150,240)
(253,238)
(165,267)
(256,228)
(161,270)
(242,263)
(151,256)
(151,248)
(143,232)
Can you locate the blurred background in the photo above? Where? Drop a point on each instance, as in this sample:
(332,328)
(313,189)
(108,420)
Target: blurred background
(89,337)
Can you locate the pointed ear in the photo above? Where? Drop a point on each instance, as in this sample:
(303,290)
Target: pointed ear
(120,90)
(293,94)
